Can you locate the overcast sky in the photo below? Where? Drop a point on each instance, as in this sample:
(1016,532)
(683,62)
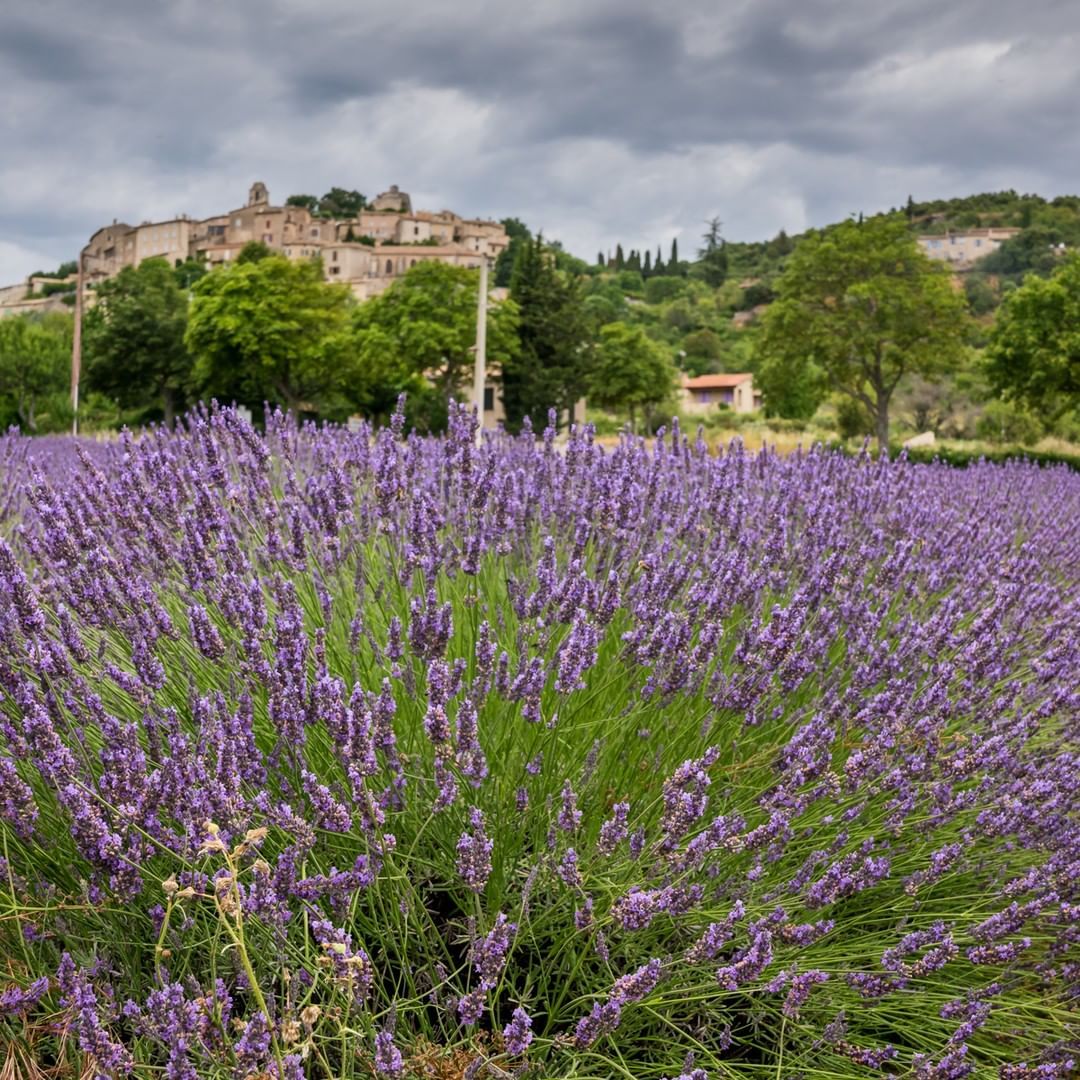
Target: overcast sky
(596,120)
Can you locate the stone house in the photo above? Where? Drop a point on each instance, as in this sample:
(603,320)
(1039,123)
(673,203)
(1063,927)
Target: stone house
(962,249)
(703,393)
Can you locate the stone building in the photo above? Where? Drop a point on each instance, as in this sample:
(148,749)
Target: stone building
(962,249)
(704,393)
(368,251)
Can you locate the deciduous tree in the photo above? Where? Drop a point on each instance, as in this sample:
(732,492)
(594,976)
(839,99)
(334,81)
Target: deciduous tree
(859,306)
(1033,356)
(630,371)
(424,328)
(35,353)
(271,330)
(133,340)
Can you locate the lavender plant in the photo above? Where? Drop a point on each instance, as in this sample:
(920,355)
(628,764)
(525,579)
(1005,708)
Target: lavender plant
(330,754)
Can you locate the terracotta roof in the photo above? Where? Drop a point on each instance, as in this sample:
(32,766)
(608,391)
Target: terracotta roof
(716,382)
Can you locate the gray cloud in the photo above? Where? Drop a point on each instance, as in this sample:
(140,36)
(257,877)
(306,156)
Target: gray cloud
(599,121)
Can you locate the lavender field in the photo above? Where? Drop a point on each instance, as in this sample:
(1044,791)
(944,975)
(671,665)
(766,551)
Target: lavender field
(341,755)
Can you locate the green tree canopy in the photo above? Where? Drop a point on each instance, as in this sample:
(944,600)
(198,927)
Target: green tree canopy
(1035,250)
(859,306)
(133,340)
(663,287)
(1033,356)
(189,271)
(339,203)
(35,362)
(519,234)
(703,350)
(552,368)
(272,330)
(630,371)
(713,265)
(423,328)
(253,251)
(308,202)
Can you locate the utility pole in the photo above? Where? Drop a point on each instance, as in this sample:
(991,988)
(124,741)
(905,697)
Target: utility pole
(480,357)
(76,346)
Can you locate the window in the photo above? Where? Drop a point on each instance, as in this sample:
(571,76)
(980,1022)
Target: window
(489,398)
(389,266)
(978,243)
(238,223)
(269,223)
(416,230)
(704,397)
(315,232)
(268,238)
(954,239)
(333,257)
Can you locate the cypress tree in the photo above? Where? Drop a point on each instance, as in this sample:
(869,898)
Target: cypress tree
(673,262)
(658,266)
(620,259)
(552,369)
(634,262)
(647,267)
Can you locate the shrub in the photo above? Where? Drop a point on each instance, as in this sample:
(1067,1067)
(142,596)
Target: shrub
(852,421)
(660,289)
(1006,422)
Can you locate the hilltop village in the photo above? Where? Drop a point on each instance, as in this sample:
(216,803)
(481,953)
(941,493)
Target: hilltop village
(368,250)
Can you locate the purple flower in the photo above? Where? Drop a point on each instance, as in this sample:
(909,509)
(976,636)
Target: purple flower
(388,1060)
(518,1033)
(488,954)
(474,853)
(15,1001)
(569,815)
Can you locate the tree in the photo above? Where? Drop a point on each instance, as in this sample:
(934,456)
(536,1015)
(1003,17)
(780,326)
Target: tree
(271,330)
(253,251)
(661,288)
(658,265)
(1035,250)
(646,266)
(424,328)
(308,202)
(713,254)
(519,235)
(631,371)
(189,271)
(703,350)
(1033,356)
(133,339)
(620,259)
(860,306)
(552,368)
(673,262)
(35,354)
(339,203)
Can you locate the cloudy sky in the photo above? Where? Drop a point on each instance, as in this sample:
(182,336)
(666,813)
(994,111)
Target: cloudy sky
(596,120)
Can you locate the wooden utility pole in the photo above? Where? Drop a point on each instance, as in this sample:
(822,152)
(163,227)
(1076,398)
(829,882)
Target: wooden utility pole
(76,346)
(480,357)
